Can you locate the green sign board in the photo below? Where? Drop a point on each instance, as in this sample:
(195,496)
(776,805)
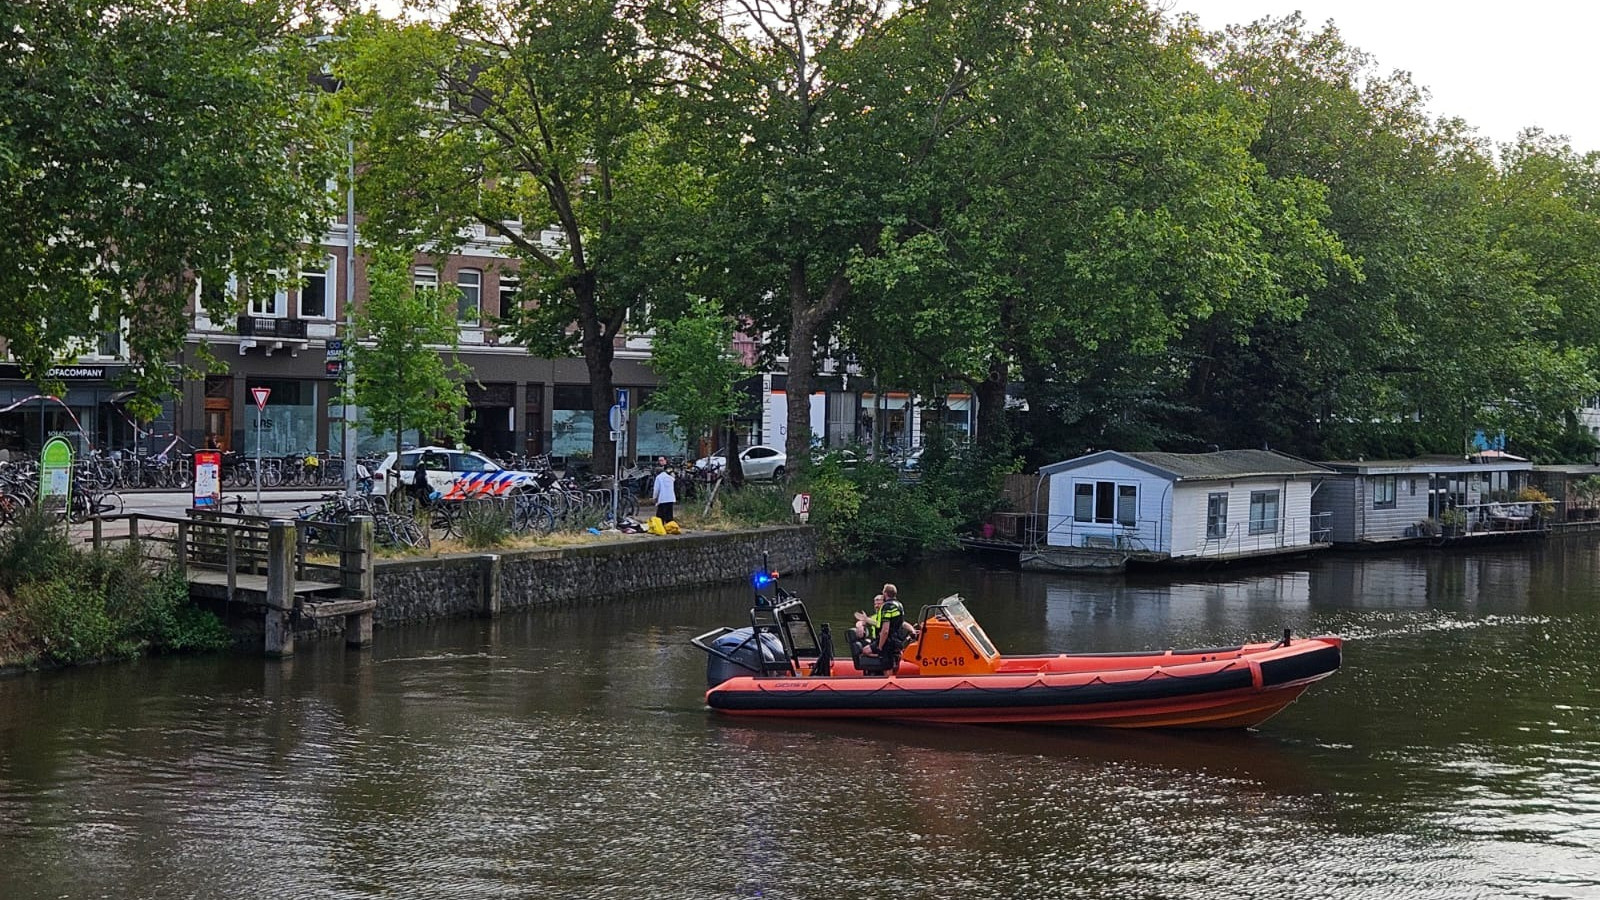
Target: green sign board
(55,472)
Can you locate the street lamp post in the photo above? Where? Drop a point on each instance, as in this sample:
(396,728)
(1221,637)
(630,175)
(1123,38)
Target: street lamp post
(349,318)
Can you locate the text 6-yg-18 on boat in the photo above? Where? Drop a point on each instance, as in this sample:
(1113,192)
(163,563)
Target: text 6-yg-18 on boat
(781,666)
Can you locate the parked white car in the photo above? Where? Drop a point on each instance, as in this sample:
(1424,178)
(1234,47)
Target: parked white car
(759,463)
(455,474)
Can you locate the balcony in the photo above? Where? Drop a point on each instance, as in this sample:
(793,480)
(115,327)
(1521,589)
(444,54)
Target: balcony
(271,334)
(266,327)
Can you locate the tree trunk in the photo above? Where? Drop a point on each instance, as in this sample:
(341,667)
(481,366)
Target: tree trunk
(598,353)
(598,359)
(802,359)
(991,397)
(735,470)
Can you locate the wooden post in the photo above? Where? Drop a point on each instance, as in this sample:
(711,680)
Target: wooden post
(280,588)
(233,560)
(180,550)
(356,578)
(490,585)
(95,525)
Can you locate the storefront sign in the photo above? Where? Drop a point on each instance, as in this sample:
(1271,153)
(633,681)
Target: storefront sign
(207,479)
(64,373)
(55,473)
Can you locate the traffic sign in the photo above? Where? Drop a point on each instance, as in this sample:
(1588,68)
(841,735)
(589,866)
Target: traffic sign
(801,504)
(619,416)
(622,398)
(261,395)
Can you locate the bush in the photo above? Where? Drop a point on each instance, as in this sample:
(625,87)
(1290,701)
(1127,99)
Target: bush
(869,515)
(71,605)
(167,620)
(68,621)
(35,548)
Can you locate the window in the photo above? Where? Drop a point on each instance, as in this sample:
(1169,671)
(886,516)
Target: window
(1105,502)
(1216,516)
(1127,504)
(1263,512)
(510,292)
(469,308)
(1383,492)
(314,290)
(270,303)
(425,278)
(1083,502)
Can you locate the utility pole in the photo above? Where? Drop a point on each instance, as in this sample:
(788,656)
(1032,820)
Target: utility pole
(350,319)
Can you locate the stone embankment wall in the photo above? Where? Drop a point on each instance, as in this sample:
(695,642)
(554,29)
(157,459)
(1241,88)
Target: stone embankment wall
(415,590)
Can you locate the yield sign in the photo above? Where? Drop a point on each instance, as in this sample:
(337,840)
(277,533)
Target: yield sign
(261,395)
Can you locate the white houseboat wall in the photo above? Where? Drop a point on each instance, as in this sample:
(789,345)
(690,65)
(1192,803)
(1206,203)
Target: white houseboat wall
(1178,507)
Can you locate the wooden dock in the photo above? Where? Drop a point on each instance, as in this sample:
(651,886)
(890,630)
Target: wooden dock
(268,567)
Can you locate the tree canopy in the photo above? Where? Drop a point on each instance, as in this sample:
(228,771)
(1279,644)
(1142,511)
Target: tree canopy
(143,143)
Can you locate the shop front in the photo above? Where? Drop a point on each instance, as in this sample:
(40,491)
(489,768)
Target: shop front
(90,413)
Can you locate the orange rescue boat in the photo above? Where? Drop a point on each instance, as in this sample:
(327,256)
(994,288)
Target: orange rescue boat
(951,672)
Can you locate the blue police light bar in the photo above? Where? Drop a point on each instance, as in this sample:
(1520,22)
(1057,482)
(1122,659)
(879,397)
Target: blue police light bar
(763,579)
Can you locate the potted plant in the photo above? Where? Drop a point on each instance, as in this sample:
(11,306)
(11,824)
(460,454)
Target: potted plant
(1453,522)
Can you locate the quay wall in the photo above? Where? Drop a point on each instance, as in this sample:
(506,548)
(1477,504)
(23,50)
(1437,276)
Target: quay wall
(474,584)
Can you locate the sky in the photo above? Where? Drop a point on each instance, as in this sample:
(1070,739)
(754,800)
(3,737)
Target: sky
(1501,67)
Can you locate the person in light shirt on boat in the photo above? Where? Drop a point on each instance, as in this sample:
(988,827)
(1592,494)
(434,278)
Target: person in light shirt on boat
(866,627)
(894,633)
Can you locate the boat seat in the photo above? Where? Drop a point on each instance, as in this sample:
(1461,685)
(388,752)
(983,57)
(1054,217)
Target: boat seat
(876,665)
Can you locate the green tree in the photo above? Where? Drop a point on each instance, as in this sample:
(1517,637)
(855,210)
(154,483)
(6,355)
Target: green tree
(144,142)
(1099,206)
(407,374)
(814,118)
(1443,328)
(526,121)
(699,371)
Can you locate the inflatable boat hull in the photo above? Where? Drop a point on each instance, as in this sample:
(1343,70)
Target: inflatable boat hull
(1233,687)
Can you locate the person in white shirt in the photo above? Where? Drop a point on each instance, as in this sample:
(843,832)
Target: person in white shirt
(666,491)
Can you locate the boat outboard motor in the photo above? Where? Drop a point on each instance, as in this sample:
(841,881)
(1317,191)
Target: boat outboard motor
(737,654)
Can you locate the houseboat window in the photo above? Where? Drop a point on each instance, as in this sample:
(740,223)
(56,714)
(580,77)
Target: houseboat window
(1127,504)
(1263,512)
(1217,515)
(1083,502)
(1383,492)
(1105,502)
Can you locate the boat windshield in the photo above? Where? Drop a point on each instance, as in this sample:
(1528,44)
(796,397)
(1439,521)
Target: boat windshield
(955,610)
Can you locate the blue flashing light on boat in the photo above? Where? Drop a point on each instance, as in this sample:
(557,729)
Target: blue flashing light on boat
(763,580)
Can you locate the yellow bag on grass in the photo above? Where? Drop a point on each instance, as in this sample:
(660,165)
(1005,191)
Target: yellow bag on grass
(654,526)
(672,528)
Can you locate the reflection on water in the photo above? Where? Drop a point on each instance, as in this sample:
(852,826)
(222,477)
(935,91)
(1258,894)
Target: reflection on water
(566,752)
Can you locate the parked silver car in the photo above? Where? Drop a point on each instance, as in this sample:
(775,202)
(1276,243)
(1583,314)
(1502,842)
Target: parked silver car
(759,463)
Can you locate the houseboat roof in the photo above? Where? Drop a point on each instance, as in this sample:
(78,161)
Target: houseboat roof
(1216,466)
(1427,464)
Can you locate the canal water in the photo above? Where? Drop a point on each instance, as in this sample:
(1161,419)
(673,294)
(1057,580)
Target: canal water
(567,753)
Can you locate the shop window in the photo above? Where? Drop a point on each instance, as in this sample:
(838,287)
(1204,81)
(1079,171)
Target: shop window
(572,420)
(289,421)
